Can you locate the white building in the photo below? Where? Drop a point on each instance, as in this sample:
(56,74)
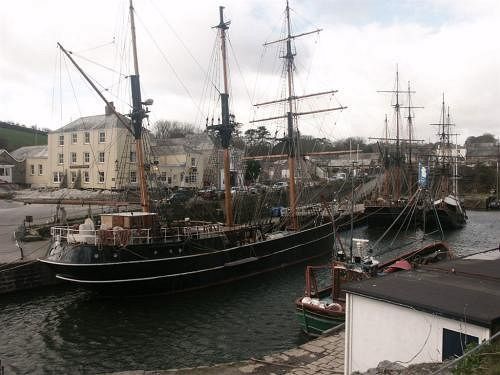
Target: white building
(36,171)
(93,152)
(183,162)
(424,315)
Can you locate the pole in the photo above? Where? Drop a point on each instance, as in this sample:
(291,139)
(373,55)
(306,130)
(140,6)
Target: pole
(352,205)
(225,129)
(291,145)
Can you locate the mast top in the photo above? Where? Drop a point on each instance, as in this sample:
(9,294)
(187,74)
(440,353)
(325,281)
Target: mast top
(222,25)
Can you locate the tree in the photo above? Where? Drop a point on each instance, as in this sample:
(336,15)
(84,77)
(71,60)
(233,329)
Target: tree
(485,138)
(164,129)
(253,169)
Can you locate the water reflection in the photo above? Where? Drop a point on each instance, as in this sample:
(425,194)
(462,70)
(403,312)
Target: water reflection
(71,331)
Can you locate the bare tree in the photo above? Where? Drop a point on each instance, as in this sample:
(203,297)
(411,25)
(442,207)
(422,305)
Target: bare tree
(164,129)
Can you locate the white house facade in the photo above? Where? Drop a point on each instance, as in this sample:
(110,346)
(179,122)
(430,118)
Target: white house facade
(94,152)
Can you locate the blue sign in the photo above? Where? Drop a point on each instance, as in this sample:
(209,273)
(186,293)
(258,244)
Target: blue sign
(423,175)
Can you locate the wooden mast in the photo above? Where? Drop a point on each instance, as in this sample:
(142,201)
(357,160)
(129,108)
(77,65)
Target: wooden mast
(228,201)
(291,114)
(410,117)
(291,145)
(444,126)
(138,114)
(226,126)
(397,167)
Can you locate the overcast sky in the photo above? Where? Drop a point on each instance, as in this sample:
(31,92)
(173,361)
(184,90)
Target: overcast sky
(440,46)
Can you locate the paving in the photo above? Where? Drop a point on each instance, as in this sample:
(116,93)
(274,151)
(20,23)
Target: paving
(12,215)
(322,356)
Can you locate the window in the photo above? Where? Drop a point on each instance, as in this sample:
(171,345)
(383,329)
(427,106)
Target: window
(73,157)
(133,177)
(87,138)
(61,140)
(86,177)
(193,162)
(32,169)
(101,177)
(60,158)
(4,171)
(73,177)
(74,138)
(101,157)
(455,342)
(163,176)
(102,137)
(191,177)
(40,169)
(169,180)
(133,157)
(86,157)
(57,177)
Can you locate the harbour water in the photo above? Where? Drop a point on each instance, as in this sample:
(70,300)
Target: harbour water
(67,331)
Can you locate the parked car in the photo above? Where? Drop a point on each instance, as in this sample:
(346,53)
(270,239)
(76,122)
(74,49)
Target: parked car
(280,185)
(208,193)
(179,196)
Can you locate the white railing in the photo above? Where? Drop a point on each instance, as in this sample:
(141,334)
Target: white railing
(122,237)
(114,237)
(194,231)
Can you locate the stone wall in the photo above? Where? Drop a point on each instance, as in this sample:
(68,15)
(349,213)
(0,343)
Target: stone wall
(25,275)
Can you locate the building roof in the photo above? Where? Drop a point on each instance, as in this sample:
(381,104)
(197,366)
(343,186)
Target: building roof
(93,123)
(192,143)
(466,289)
(9,155)
(31,152)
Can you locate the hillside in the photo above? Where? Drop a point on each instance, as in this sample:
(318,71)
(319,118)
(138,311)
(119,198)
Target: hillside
(14,136)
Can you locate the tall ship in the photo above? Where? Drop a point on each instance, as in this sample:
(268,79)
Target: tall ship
(396,189)
(133,253)
(445,211)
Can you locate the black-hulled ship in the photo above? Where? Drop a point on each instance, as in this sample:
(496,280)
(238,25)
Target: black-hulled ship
(130,252)
(445,210)
(396,188)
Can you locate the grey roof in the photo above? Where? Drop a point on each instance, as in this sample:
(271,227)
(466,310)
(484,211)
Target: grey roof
(31,152)
(463,289)
(192,143)
(168,149)
(93,122)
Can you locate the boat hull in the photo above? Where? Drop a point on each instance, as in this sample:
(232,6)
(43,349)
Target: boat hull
(382,216)
(315,321)
(199,268)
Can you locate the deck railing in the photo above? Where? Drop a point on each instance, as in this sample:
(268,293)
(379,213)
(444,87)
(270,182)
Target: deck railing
(122,237)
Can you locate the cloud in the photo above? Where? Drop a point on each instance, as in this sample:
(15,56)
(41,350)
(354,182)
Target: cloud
(440,46)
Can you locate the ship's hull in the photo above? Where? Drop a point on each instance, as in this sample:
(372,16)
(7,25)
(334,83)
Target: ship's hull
(314,321)
(448,219)
(196,267)
(382,216)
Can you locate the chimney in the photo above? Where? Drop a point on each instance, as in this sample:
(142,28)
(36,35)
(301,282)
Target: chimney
(108,110)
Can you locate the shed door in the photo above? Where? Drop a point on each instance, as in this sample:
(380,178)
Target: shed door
(455,343)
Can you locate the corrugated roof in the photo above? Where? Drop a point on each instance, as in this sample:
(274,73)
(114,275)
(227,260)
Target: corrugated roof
(31,152)
(93,122)
(464,289)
